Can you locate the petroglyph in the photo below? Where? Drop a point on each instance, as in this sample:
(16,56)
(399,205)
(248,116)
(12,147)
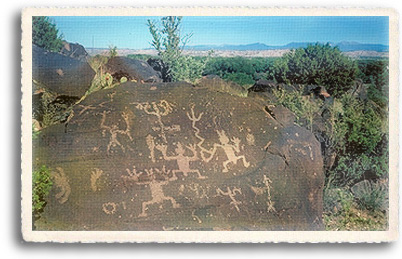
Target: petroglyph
(250,139)
(151,146)
(266,189)
(109,207)
(173,128)
(114,130)
(183,162)
(61,182)
(195,217)
(160,109)
(200,192)
(95,175)
(228,148)
(231,193)
(157,194)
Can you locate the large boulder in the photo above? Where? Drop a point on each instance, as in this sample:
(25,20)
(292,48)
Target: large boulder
(74,50)
(60,74)
(170,156)
(215,83)
(132,69)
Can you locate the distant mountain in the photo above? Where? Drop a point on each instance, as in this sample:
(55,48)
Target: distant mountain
(343,46)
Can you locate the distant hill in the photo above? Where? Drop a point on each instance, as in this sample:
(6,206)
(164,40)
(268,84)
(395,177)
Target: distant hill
(345,46)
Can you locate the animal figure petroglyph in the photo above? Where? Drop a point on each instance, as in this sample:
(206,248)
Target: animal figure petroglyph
(162,108)
(231,193)
(114,130)
(183,162)
(61,181)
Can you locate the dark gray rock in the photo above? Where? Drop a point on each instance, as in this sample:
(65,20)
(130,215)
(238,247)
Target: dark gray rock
(59,74)
(169,156)
(132,69)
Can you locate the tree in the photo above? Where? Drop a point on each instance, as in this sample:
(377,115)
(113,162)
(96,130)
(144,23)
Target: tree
(317,64)
(169,44)
(45,34)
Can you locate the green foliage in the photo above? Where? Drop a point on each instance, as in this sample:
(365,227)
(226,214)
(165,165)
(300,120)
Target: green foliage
(337,200)
(112,51)
(35,132)
(351,168)
(143,57)
(306,108)
(317,64)
(45,34)
(363,124)
(169,44)
(41,185)
(373,72)
(240,78)
(243,71)
(371,195)
(123,79)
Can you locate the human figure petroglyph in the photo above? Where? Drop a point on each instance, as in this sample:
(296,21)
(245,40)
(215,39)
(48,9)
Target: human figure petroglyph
(61,181)
(95,175)
(267,188)
(228,148)
(157,194)
(114,130)
(162,108)
(183,162)
(231,193)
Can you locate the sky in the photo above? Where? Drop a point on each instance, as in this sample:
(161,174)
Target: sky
(132,31)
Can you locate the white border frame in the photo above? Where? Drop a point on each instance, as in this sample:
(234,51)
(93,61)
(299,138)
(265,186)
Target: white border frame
(205,236)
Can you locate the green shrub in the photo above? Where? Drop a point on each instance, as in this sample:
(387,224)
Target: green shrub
(364,125)
(240,78)
(374,71)
(337,200)
(371,195)
(352,168)
(241,70)
(41,185)
(170,44)
(305,107)
(317,64)
(45,34)
(143,57)
(112,51)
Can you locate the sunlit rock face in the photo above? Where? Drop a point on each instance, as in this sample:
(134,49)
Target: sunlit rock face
(169,156)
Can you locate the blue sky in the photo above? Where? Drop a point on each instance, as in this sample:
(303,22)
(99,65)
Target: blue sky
(132,31)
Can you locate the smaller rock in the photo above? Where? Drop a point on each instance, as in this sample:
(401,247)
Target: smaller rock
(263,85)
(74,50)
(132,69)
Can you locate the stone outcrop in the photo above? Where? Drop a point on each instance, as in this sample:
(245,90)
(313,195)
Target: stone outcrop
(74,50)
(132,69)
(60,74)
(170,156)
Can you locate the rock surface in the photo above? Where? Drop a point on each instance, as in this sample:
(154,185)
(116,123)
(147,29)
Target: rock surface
(74,50)
(169,156)
(59,74)
(132,69)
